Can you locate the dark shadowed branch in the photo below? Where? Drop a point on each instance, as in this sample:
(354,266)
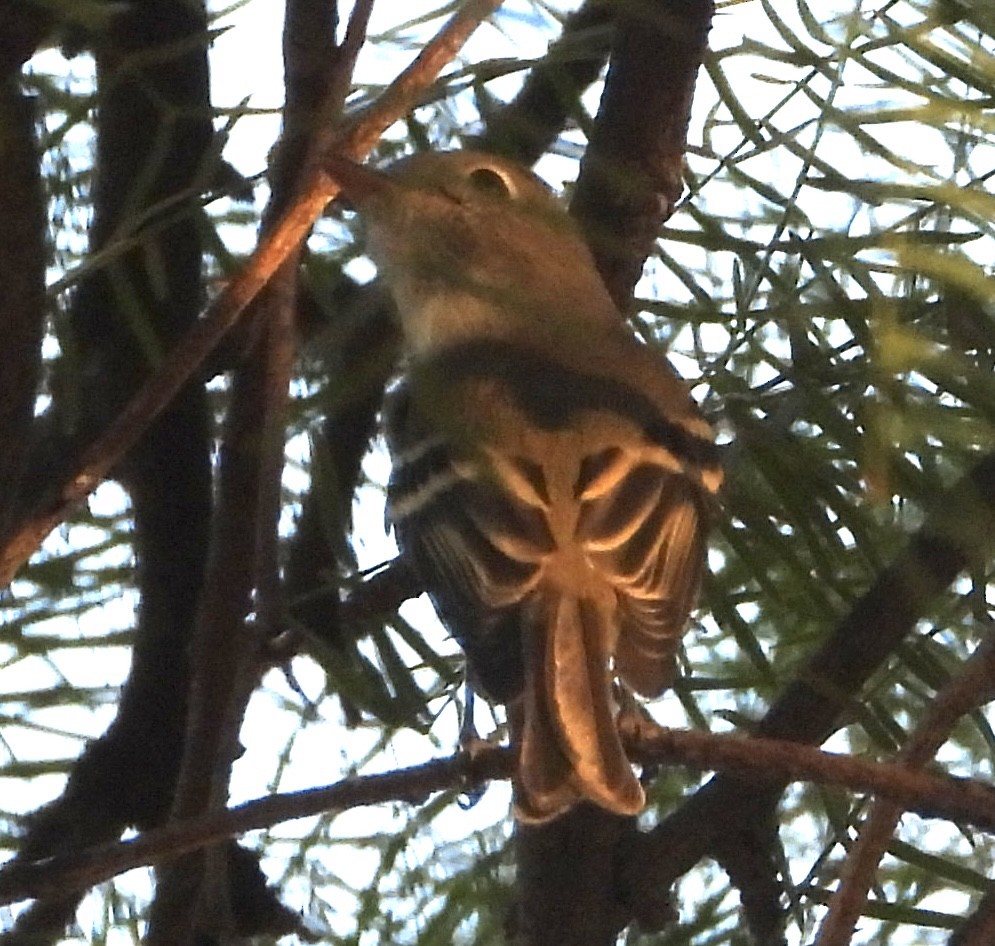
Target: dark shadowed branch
(629,182)
(153,133)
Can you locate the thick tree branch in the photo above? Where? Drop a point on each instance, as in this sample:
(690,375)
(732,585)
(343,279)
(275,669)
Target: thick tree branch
(631,176)
(198,897)
(527,127)
(630,179)
(153,130)
(22,289)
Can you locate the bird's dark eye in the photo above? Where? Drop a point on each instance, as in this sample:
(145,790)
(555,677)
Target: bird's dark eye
(490,182)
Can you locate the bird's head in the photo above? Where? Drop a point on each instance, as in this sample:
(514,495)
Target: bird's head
(475,236)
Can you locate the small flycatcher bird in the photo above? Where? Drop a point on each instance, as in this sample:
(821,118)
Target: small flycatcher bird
(552,478)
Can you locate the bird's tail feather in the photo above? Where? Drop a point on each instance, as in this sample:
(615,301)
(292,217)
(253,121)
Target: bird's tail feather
(570,747)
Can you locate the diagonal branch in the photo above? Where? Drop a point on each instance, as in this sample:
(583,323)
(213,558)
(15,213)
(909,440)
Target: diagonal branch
(729,811)
(971,688)
(528,126)
(183,360)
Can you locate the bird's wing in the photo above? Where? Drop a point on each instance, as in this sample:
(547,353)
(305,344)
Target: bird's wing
(478,548)
(641,525)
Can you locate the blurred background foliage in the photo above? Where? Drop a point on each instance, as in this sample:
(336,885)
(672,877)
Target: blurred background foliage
(827,281)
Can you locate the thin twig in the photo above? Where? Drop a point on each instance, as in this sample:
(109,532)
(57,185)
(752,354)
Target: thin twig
(972,688)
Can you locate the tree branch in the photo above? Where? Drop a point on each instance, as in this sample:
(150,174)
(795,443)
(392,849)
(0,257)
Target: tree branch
(971,688)
(22,289)
(631,175)
(630,179)
(969,801)
(730,812)
(527,127)
(184,359)
(153,131)
(196,898)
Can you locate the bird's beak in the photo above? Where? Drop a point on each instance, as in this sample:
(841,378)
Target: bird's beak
(359,182)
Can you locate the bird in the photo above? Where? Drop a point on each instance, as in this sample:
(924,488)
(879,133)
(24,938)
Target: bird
(552,480)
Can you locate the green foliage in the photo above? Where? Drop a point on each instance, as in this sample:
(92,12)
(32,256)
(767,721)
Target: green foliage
(828,280)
